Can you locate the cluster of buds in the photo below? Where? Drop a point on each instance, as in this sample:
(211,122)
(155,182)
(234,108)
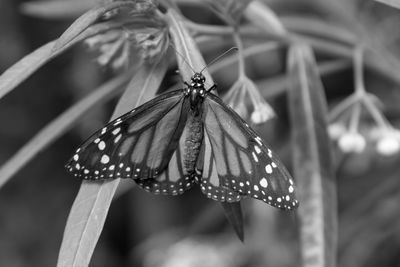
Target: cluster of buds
(135,35)
(244,91)
(352,139)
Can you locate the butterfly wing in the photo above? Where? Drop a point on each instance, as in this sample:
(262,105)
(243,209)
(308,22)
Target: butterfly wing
(244,164)
(180,175)
(211,185)
(143,145)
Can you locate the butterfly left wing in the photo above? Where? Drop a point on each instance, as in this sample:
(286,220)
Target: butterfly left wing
(143,145)
(243,162)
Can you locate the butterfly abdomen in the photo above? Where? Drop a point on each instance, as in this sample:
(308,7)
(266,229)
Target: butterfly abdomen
(193,142)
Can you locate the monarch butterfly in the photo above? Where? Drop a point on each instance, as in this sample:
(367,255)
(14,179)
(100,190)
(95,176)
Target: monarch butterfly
(163,146)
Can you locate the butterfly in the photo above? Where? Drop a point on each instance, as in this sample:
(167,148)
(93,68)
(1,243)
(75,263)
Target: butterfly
(182,138)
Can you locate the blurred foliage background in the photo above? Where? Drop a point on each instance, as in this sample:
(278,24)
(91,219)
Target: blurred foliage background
(189,230)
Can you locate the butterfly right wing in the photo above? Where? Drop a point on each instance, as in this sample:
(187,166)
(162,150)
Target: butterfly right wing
(210,183)
(244,164)
(143,145)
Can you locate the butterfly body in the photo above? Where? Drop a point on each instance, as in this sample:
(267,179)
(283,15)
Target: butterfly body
(186,137)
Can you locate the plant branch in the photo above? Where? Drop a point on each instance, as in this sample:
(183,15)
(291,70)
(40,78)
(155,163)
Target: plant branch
(240,54)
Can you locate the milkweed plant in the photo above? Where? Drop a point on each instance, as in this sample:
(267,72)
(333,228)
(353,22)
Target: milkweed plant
(339,140)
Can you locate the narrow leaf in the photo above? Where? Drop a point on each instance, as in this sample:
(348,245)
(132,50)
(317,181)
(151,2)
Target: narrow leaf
(90,208)
(187,53)
(59,126)
(86,20)
(233,211)
(230,11)
(262,16)
(392,3)
(312,160)
(60,9)
(24,68)
(193,61)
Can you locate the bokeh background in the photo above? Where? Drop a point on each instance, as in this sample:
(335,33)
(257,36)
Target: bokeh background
(147,230)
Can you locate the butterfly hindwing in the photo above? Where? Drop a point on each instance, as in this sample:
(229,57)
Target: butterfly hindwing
(179,175)
(136,145)
(211,185)
(243,162)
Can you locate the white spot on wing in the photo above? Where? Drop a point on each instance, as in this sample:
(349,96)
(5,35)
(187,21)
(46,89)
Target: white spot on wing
(268,169)
(116,140)
(254,156)
(115,131)
(102,145)
(105,159)
(76,157)
(258,140)
(257,149)
(291,189)
(264,182)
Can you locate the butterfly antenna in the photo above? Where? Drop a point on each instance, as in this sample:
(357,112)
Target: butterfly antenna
(183,58)
(219,57)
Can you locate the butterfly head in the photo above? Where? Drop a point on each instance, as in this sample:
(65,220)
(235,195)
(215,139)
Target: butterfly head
(198,80)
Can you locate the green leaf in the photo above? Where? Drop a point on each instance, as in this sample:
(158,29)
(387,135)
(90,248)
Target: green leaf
(230,11)
(89,18)
(21,70)
(312,160)
(61,9)
(90,208)
(320,28)
(25,67)
(233,212)
(392,3)
(186,47)
(187,53)
(57,127)
(262,16)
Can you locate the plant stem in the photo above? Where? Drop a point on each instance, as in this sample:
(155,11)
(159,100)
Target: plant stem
(355,118)
(341,107)
(380,120)
(241,63)
(359,71)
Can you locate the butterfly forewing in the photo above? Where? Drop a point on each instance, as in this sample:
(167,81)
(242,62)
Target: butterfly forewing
(243,162)
(126,147)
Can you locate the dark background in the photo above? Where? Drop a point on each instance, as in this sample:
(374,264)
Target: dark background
(142,229)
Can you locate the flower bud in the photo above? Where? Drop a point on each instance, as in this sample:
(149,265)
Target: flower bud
(352,142)
(262,113)
(388,145)
(336,130)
